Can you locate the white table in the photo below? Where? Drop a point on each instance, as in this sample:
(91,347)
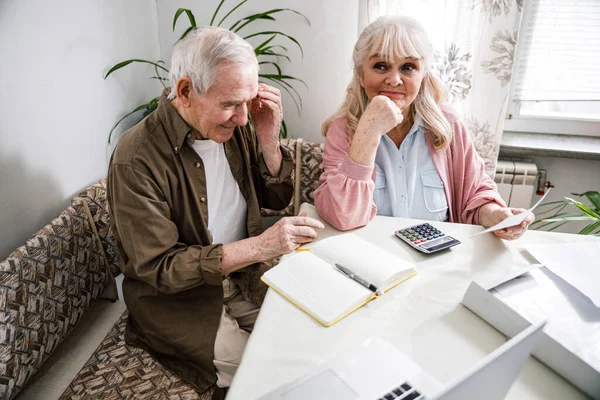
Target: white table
(422,317)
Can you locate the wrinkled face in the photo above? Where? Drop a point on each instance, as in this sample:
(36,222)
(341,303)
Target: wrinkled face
(400,79)
(216,113)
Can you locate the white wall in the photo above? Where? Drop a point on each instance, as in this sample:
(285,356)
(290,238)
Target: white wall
(328,42)
(55,108)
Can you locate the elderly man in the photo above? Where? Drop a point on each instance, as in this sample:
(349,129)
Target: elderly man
(185,188)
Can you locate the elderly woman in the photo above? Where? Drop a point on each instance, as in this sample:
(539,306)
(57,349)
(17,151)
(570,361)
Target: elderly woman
(396,148)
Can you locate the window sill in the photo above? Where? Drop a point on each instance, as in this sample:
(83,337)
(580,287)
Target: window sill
(539,144)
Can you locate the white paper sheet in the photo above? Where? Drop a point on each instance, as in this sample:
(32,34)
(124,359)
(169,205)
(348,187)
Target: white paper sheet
(576,263)
(514,220)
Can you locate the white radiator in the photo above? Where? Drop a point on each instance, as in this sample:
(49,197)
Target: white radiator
(516,182)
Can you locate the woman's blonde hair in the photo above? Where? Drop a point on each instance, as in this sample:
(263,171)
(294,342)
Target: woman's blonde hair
(394,38)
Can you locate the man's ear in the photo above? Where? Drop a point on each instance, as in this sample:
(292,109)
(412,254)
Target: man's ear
(184,90)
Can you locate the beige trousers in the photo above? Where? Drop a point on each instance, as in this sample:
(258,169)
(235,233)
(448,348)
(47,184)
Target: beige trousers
(237,321)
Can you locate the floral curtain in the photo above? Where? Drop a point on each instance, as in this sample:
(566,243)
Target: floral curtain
(474,43)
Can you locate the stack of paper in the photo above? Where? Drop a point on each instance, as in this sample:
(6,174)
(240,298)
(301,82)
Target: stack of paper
(576,263)
(571,341)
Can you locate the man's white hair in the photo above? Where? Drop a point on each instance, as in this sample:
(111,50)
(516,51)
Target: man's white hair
(200,54)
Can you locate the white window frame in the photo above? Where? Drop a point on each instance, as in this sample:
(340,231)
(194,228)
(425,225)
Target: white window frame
(560,126)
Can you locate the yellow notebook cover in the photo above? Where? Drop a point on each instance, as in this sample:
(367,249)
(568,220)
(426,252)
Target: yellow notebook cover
(310,281)
(327,324)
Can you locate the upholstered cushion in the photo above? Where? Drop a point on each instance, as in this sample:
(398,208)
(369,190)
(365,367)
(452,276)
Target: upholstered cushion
(119,371)
(45,287)
(95,195)
(311,168)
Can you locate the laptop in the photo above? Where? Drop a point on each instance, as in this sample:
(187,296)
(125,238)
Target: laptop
(377,370)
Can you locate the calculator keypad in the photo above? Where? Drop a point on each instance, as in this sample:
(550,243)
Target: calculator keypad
(426,238)
(421,233)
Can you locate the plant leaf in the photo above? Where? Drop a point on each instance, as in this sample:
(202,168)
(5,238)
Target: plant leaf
(283,130)
(565,214)
(230,12)
(276,33)
(572,218)
(558,207)
(556,227)
(590,228)
(270,48)
(274,78)
(543,225)
(556,218)
(160,78)
(288,88)
(584,208)
(593,196)
(278,79)
(189,14)
(254,17)
(273,64)
(552,203)
(291,91)
(188,30)
(249,20)
(127,62)
(542,222)
(176,16)
(559,217)
(272,53)
(283,78)
(152,104)
(216,12)
(258,48)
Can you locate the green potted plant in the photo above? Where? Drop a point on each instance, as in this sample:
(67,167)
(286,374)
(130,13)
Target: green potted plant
(267,52)
(555,214)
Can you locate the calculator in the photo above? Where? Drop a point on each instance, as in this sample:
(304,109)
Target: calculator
(426,238)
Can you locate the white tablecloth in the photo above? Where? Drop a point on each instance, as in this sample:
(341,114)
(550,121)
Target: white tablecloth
(422,317)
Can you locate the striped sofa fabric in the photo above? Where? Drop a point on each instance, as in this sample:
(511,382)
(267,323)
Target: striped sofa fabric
(308,157)
(45,288)
(117,371)
(95,195)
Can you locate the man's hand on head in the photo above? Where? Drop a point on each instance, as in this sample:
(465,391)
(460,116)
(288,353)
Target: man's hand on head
(267,113)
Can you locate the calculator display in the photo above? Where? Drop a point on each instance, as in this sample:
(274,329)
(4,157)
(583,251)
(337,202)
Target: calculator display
(434,243)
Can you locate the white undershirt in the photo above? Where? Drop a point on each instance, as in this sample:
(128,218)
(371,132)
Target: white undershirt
(227,207)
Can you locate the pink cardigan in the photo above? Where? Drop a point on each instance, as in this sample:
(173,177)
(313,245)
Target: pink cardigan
(345,197)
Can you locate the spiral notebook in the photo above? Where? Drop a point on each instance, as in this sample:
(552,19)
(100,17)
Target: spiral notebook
(312,283)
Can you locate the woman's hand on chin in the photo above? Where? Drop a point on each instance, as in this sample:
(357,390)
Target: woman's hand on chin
(381,116)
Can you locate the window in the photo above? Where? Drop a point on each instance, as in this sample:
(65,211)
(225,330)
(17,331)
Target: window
(556,82)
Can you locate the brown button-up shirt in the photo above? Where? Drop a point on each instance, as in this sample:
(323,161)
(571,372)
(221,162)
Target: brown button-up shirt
(159,211)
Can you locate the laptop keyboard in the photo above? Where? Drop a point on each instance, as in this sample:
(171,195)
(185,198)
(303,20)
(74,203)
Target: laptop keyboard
(403,392)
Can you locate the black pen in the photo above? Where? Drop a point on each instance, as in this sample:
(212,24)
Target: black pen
(358,279)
